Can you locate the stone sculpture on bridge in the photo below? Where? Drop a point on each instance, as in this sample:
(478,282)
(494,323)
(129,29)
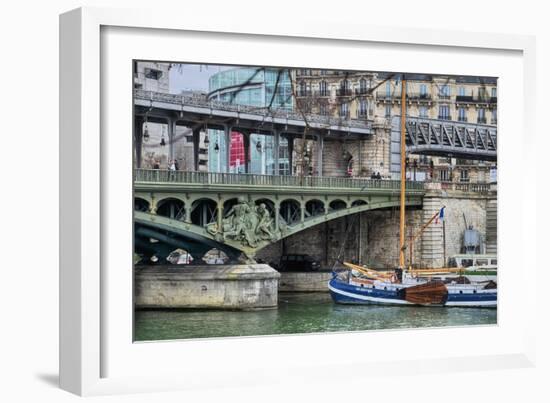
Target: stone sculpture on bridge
(246,223)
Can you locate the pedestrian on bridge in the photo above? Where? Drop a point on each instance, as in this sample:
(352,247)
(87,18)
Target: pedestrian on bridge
(172,168)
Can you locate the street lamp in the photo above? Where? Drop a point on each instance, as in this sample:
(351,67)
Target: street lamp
(146,132)
(206,139)
(259,146)
(162,142)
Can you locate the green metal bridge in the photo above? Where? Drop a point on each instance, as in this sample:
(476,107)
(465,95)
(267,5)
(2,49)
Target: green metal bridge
(247,212)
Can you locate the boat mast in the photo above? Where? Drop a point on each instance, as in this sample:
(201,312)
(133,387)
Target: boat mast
(403,176)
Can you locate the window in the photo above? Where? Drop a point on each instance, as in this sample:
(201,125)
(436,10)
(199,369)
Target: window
(153,74)
(423,91)
(388,88)
(493,92)
(444,175)
(481,116)
(462,91)
(388,111)
(344,87)
(323,88)
(323,109)
(363,86)
(423,111)
(284,168)
(344,109)
(444,91)
(444,112)
(494,117)
(482,92)
(464,175)
(302,89)
(363,107)
(462,115)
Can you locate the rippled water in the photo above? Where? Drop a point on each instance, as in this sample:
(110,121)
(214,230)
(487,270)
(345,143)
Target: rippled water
(300,313)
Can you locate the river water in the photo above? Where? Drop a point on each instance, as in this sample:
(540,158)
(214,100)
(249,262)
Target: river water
(300,313)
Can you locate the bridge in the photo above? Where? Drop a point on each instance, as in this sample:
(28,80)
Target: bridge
(423,136)
(244,212)
(450,138)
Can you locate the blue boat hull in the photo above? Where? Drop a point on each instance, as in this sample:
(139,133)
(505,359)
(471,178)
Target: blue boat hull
(344,293)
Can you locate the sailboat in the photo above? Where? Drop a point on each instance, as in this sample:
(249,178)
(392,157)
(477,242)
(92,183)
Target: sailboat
(408,285)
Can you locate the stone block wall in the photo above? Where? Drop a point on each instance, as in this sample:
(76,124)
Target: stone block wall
(373,239)
(324,242)
(333,162)
(370,154)
(383,237)
(475,212)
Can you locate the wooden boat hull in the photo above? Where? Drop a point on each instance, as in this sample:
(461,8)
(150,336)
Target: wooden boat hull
(457,295)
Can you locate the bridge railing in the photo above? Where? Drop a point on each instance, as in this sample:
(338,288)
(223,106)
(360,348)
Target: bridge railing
(467,187)
(220,178)
(255,110)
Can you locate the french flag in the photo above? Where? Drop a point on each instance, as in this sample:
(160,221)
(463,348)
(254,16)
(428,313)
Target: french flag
(441,215)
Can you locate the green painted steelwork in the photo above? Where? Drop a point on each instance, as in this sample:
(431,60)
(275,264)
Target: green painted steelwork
(210,197)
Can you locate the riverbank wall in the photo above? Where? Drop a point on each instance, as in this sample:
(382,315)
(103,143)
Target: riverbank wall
(304,281)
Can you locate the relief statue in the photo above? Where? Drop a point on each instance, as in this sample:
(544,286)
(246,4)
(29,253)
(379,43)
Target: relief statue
(246,223)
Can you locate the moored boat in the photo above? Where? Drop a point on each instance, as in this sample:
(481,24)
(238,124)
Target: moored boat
(453,287)
(348,288)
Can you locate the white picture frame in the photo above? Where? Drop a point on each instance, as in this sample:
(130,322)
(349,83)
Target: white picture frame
(97,355)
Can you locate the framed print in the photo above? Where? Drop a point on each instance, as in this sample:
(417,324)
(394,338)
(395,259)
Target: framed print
(236,206)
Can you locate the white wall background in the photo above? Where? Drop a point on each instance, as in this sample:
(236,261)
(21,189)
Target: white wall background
(29,202)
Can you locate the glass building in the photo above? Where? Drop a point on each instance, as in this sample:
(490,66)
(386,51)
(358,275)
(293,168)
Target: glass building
(251,86)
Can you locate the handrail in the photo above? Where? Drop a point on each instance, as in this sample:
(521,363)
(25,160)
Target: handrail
(467,187)
(222,178)
(255,110)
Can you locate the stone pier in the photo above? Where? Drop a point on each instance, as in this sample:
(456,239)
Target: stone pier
(491,226)
(235,287)
(432,238)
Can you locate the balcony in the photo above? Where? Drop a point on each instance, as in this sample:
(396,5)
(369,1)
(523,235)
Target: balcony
(462,119)
(362,91)
(344,92)
(444,117)
(415,96)
(482,120)
(303,72)
(410,96)
(303,93)
(475,100)
(322,93)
